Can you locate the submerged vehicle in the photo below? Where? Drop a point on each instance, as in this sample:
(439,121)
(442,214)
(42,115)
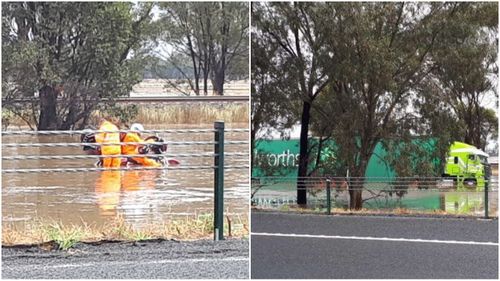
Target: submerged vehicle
(467,165)
(153,149)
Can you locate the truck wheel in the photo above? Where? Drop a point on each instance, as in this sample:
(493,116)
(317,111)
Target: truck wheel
(470,183)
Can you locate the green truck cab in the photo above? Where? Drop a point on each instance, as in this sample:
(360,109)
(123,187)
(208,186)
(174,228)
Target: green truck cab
(467,165)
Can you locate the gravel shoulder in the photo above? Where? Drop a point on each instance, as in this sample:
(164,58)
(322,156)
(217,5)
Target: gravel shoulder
(154,259)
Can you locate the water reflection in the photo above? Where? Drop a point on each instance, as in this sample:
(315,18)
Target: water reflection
(107,189)
(462,202)
(113,186)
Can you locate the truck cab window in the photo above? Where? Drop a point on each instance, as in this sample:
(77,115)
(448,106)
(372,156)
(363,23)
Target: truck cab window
(472,157)
(483,160)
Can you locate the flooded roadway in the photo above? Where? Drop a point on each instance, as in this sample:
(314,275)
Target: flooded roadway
(139,197)
(452,201)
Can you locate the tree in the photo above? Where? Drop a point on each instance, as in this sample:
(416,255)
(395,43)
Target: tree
(271,108)
(213,37)
(467,71)
(73,55)
(293,29)
(231,42)
(381,52)
(384,55)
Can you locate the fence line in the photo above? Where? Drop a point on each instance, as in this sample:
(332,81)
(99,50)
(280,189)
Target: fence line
(96,169)
(399,183)
(343,177)
(61,157)
(149,99)
(379,192)
(87,131)
(396,190)
(77,144)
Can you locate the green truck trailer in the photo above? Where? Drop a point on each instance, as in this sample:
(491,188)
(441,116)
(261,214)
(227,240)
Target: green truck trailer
(466,165)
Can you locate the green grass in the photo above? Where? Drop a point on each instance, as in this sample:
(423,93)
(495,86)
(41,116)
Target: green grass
(64,237)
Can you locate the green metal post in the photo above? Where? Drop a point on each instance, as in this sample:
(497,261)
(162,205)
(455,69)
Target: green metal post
(328,197)
(486,199)
(219,181)
(348,189)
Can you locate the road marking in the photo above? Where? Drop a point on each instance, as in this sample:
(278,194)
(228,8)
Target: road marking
(134,263)
(374,238)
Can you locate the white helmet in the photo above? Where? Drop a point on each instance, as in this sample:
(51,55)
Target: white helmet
(137,127)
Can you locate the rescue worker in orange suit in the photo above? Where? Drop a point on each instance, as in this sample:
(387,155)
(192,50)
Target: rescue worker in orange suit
(110,144)
(133,149)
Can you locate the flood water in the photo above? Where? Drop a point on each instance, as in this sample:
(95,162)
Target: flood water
(279,195)
(139,197)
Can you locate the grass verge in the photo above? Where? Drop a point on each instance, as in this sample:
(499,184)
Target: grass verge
(199,113)
(364,211)
(66,236)
(193,114)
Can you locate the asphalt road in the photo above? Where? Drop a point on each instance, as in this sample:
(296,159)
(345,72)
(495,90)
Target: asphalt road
(336,247)
(145,260)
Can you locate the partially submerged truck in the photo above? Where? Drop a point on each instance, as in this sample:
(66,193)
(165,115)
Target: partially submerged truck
(467,165)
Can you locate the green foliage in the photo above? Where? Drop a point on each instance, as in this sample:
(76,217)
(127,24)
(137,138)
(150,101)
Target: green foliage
(377,72)
(125,114)
(466,72)
(7,116)
(89,50)
(139,236)
(415,157)
(204,222)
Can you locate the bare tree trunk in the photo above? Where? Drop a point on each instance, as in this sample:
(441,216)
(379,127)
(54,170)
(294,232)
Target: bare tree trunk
(206,72)
(355,193)
(477,126)
(205,81)
(219,82)
(357,183)
(48,105)
(207,43)
(253,134)
(220,66)
(195,69)
(303,155)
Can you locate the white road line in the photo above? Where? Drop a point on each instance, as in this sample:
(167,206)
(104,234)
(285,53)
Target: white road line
(134,263)
(374,238)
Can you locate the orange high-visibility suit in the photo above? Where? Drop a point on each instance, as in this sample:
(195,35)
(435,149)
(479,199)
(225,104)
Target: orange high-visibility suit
(131,149)
(114,149)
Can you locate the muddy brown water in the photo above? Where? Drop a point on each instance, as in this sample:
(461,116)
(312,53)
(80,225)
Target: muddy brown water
(139,197)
